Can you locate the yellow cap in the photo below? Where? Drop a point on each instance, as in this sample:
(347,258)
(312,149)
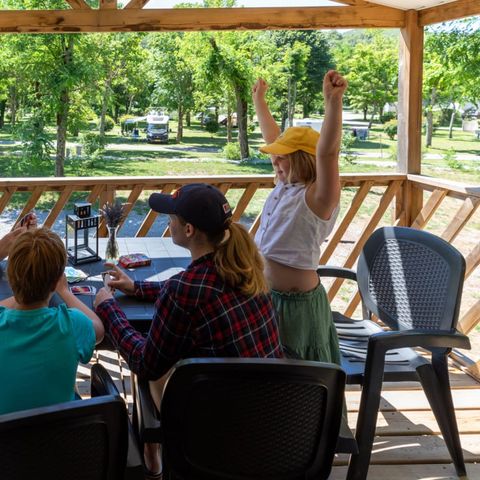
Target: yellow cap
(293,139)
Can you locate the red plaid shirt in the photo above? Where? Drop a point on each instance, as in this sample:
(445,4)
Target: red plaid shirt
(196,315)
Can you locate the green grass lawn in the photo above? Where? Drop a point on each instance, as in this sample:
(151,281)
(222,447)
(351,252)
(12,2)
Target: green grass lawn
(200,153)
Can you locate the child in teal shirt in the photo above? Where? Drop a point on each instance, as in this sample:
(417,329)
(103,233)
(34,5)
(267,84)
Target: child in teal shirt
(40,346)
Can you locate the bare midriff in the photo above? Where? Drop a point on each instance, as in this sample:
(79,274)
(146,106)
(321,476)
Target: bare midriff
(288,279)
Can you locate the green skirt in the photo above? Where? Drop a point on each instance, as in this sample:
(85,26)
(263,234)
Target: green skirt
(306,324)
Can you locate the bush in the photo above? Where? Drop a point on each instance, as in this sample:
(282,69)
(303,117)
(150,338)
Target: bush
(93,143)
(109,123)
(36,145)
(450,158)
(257,154)
(387,116)
(232,151)
(348,140)
(211,125)
(390,128)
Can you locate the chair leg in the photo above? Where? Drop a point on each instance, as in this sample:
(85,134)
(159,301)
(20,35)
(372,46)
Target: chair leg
(436,384)
(365,430)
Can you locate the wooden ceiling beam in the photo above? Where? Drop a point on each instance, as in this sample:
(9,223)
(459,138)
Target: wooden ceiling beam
(78,4)
(195,19)
(136,4)
(351,2)
(449,11)
(108,4)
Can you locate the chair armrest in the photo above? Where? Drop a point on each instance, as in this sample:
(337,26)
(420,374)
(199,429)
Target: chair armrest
(440,339)
(340,272)
(103,384)
(148,425)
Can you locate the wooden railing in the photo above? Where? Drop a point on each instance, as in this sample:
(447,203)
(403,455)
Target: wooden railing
(368,201)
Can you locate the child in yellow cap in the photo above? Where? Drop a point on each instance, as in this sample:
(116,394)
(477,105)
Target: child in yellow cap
(297,217)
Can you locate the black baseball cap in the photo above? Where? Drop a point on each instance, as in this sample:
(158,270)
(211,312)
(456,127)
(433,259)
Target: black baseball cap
(200,204)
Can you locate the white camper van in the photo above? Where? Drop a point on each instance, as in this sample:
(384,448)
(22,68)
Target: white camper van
(157,128)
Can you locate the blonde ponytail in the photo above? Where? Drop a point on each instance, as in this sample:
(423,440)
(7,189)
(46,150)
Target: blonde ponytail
(239,262)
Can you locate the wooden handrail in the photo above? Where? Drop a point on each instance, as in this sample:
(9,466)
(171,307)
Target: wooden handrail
(378,191)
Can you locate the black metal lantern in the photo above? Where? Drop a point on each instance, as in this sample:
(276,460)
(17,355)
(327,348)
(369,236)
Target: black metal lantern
(81,235)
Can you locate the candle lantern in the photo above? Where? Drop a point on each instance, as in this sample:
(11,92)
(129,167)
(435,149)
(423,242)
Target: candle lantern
(81,235)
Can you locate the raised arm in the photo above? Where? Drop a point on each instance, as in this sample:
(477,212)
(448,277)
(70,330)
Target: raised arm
(268,126)
(324,194)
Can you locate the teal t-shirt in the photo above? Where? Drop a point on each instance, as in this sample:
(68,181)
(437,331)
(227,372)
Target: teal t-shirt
(39,354)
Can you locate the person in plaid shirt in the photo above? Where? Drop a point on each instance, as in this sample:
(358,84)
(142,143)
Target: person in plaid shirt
(218,307)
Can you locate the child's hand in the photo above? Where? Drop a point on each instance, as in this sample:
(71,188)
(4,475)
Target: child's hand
(28,221)
(102,295)
(120,280)
(334,86)
(259,90)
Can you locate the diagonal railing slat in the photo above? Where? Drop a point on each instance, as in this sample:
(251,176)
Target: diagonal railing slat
(367,231)
(338,233)
(58,207)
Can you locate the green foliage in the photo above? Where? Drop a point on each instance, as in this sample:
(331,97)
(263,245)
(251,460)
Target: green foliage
(109,123)
(232,151)
(346,148)
(387,116)
(393,153)
(93,143)
(390,128)
(211,125)
(371,67)
(450,159)
(36,144)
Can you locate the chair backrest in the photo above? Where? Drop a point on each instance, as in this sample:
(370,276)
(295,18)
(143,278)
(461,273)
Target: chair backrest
(79,440)
(251,419)
(411,279)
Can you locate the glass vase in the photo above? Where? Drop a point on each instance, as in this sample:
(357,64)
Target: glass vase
(112,252)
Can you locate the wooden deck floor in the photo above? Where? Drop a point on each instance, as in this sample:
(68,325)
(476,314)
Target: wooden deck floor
(408,445)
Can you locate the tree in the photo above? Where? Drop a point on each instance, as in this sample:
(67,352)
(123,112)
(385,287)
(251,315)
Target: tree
(372,71)
(174,73)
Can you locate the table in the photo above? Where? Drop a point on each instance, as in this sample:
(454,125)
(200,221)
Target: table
(167,260)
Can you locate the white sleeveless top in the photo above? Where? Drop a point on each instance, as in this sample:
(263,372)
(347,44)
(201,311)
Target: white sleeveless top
(290,233)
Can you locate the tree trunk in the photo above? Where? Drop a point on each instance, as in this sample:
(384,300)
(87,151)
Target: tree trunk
(13,105)
(429,132)
(306,110)
(450,126)
(63,109)
(3,105)
(365,112)
(370,123)
(242,123)
(188,118)
(180,123)
(103,113)
(284,117)
(229,124)
(292,97)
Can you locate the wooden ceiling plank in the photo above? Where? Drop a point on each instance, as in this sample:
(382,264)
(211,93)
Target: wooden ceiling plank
(449,11)
(78,4)
(136,4)
(196,19)
(108,4)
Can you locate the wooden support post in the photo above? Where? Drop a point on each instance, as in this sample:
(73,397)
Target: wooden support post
(410,113)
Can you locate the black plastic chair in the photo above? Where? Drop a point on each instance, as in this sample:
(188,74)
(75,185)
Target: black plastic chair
(102,384)
(79,440)
(412,281)
(251,419)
